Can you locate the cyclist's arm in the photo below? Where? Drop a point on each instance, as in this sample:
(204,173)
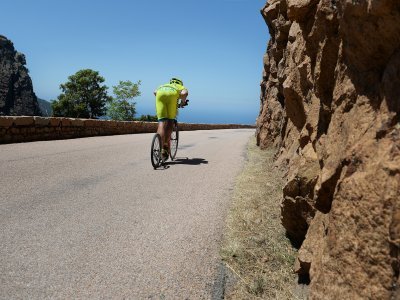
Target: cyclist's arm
(183,95)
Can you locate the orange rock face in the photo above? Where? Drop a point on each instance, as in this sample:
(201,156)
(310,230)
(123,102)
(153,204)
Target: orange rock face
(330,104)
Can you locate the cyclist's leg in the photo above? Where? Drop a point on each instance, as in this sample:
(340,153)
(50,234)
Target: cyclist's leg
(162,115)
(162,129)
(169,128)
(172,107)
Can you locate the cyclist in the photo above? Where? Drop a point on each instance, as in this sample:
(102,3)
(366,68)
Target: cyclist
(167,97)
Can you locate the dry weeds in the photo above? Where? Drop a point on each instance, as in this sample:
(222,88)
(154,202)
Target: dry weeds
(256,249)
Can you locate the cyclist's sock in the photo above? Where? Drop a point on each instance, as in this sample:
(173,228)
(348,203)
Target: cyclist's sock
(165,152)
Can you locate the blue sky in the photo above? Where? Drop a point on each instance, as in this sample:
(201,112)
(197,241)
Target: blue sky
(214,46)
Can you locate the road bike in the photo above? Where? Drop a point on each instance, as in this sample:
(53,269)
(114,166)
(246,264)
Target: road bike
(157,159)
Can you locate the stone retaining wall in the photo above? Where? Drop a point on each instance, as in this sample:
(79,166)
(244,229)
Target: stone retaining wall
(27,129)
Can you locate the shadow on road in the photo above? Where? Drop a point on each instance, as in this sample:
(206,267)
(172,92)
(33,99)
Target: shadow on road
(187,161)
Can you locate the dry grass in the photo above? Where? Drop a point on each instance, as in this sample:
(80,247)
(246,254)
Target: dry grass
(256,249)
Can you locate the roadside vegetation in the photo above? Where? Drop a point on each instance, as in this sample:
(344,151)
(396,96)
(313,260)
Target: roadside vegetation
(256,250)
(121,106)
(85,95)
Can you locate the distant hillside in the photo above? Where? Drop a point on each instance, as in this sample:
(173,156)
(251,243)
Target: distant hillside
(16,91)
(45,107)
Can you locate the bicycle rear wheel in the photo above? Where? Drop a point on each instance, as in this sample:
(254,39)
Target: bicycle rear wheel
(174,141)
(156,159)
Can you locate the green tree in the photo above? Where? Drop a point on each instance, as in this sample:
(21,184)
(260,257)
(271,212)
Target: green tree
(121,106)
(83,96)
(148,118)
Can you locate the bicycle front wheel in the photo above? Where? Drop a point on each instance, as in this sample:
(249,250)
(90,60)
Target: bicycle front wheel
(174,141)
(156,159)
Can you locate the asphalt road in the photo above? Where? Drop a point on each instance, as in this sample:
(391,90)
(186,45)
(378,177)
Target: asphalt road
(91,218)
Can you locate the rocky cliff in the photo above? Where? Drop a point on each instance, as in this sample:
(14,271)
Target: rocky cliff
(16,91)
(330,104)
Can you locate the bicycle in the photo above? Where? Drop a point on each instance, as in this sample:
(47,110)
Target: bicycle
(157,159)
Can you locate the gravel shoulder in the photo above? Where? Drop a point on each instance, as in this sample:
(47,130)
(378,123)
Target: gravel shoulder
(256,253)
